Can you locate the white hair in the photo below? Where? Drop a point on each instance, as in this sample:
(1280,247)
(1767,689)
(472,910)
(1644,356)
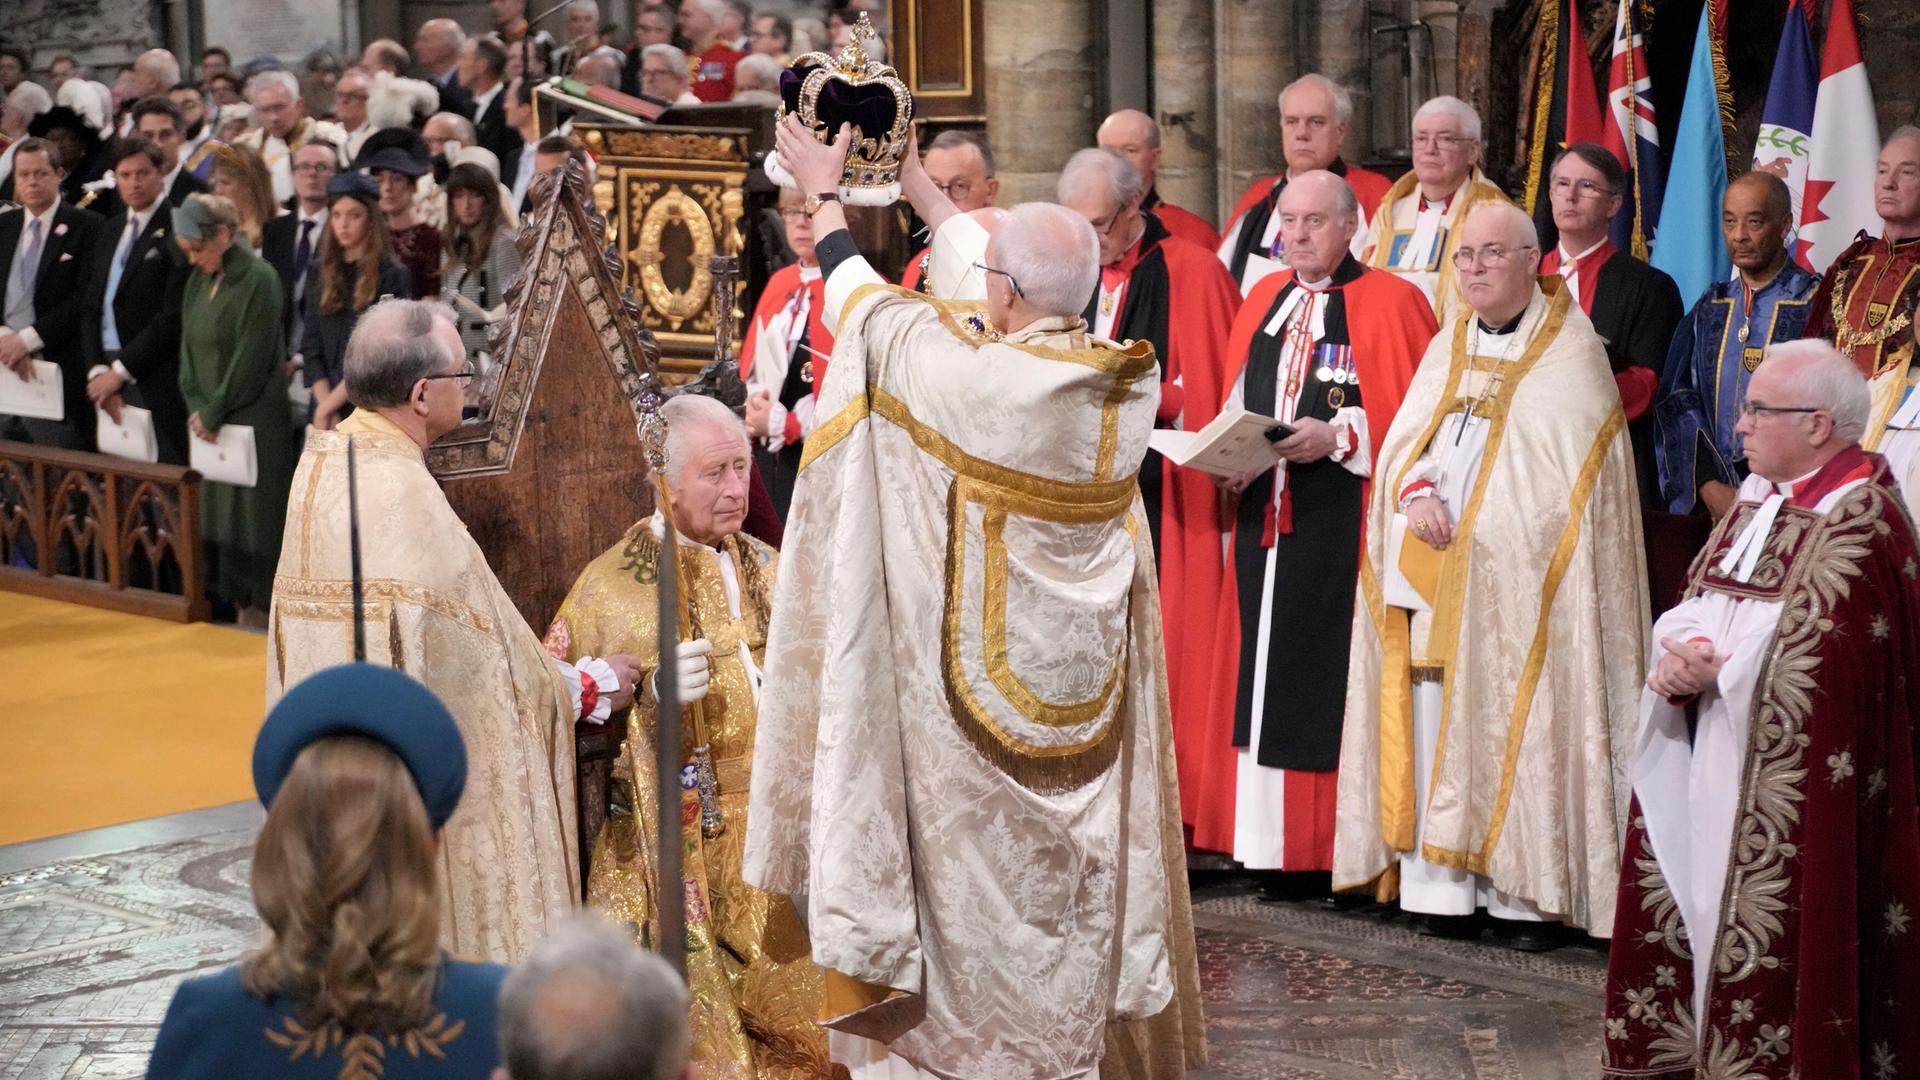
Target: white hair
(162,65)
(1104,167)
(1052,252)
(1452,106)
(584,5)
(672,55)
(1342,101)
(276,77)
(719,9)
(1515,218)
(757,71)
(1904,131)
(393,101)
(686,413)
(29,99)
(1826,379)
(589,1004)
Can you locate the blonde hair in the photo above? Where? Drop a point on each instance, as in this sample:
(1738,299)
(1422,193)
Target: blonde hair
(343,877)
(255,204)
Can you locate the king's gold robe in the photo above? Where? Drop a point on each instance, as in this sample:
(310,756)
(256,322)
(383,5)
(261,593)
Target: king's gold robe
(756,990)
(508,861)
(963,749)
(1536,636)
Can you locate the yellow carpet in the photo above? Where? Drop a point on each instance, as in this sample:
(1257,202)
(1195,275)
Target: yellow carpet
(107,718)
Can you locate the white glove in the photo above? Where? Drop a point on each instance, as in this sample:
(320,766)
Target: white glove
(690,669)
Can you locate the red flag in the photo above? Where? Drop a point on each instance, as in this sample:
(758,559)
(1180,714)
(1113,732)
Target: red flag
(1583,101)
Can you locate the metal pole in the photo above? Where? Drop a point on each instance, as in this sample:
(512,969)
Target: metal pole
(672,896)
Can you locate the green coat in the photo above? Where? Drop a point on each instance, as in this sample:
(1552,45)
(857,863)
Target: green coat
(232,371)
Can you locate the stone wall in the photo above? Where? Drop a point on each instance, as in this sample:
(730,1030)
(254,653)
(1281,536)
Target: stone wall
(104,35)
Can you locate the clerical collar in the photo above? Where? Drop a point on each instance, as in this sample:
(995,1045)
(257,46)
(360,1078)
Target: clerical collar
(1442,206)
(809,274)
(1503,329)
(1316,286)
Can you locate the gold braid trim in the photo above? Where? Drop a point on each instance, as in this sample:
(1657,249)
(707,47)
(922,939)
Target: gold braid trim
(1542,97)
(1723,88)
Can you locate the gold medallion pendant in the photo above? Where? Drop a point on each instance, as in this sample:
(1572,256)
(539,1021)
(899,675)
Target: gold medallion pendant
(1106,303)
(806,372)
(1336,397)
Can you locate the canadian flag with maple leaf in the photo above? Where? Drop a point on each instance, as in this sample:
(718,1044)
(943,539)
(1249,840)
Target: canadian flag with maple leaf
(1838,201)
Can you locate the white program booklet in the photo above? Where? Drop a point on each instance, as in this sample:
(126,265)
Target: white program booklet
(1232,443)
(229,460)
(131,438)
(41,399)
(1258,266)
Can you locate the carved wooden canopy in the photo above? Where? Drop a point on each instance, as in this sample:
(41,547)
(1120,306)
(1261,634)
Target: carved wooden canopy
(552,471)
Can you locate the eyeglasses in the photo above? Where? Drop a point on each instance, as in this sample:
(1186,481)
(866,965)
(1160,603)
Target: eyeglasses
(955,189)
(315,168)
(1443,141)
(1491,255)
(1112,223)
(985,269)
(1580,189)
(467,371)
(793,215)
(1751,409)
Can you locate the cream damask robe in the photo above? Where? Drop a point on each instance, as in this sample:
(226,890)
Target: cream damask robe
(508,864)
(963,753)
(1525,676)
(756,991)
(1418,245)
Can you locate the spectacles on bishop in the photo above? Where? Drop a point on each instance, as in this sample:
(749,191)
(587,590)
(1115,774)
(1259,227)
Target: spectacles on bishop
(1753,408)
(467,371)
(1011,281)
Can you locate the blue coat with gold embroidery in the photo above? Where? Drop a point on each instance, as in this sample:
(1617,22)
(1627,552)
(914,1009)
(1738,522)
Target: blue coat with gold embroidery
(215,1028)
(1708,365)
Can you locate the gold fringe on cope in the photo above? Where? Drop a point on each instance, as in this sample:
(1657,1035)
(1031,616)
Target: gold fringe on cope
(1543,98)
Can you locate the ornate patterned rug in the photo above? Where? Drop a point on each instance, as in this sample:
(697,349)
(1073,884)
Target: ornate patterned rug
(96,931)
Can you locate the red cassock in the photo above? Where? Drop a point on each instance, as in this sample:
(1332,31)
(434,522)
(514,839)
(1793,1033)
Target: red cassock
(1178,296)
(1185,224)
(1369,188)
(1389,332)
(776,297)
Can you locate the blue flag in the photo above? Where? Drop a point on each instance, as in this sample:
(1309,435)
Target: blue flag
(1784,144)
(1689,246)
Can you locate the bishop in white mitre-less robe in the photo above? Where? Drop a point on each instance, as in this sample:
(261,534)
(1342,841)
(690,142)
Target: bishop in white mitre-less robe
(966,639)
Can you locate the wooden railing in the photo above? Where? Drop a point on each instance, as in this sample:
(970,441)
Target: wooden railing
(101,530)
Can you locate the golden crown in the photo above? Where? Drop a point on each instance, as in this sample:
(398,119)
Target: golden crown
(826,91)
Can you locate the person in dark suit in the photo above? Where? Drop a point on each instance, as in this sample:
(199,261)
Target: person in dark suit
(359,767)
(290,241)
(132,319)
(483,67)
(436,48)
(46,252)
(159,121)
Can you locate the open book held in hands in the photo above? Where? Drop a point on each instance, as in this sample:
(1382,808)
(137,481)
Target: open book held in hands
(1234,442)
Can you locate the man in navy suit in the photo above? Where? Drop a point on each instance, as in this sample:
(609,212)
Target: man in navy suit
(436,48)
(132,322)
(46,253)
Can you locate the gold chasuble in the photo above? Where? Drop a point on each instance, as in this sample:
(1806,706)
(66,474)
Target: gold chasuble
(1536,636)
(435,611)
(964,755)
(756,990)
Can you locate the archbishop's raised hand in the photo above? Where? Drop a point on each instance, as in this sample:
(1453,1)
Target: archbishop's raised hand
(816,167)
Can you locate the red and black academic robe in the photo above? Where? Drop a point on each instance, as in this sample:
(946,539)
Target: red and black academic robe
(1816,946)
(1182,223)
(1377,327)
(1635,309)
(1247,225)
(1179,298)
(801,378)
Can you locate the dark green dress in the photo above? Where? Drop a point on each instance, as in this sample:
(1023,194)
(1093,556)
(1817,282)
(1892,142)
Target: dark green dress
(232,371)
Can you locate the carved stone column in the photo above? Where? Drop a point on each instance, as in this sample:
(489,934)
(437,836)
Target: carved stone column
(1183,87)
(1039,90)
(1254,51)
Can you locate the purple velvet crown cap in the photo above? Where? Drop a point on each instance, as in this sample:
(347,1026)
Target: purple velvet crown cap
(870,107)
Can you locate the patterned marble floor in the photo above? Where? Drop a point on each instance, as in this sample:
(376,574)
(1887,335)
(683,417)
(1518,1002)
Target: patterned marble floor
(95,931)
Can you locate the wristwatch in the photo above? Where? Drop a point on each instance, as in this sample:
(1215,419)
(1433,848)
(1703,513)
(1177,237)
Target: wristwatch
(815,202)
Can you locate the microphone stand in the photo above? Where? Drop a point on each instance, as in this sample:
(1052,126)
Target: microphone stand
(526,41)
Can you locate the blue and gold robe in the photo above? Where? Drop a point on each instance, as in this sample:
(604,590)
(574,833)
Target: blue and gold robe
(1708,366)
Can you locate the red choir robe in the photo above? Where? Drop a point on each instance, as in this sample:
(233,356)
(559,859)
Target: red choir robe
(1248,222)
(1177,296)
(1389,324)
(1811,943)
(916,270)
(799,373)
(1181,222)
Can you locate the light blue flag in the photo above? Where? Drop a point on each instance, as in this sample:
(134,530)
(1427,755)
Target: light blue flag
(1688,246)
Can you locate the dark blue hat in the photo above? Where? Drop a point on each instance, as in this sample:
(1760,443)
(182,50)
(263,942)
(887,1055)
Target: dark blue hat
(355,186)
(381,704)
